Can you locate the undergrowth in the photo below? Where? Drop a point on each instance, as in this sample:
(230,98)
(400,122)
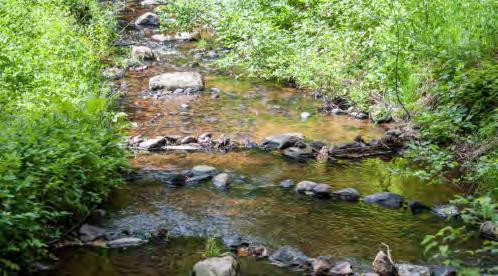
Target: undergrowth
(59,151)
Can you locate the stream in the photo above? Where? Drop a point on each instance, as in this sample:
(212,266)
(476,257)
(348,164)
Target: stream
(255,209)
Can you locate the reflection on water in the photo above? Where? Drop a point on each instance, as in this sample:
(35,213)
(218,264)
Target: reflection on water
(257,207)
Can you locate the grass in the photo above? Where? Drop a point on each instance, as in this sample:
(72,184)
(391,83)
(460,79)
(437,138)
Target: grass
(59,144)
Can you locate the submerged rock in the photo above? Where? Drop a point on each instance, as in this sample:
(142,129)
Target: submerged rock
(114,73)
(198,179)
(386,199)
(289,256)
(383,265)
(125,242)
(88,233)
(171,81)
(412,270)
(443,271)
(221,181)
(203,170)
(225,265)
(347,194)
(281,141)
(147,19)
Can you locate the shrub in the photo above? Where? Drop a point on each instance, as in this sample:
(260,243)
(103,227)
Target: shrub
(59,151)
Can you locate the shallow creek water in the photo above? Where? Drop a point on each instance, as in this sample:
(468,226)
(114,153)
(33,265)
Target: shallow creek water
(254,207)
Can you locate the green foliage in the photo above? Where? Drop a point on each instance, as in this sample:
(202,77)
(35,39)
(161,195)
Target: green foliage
(450,245)
(212,249)
(59,151)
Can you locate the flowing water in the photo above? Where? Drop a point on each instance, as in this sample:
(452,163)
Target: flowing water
(254,207)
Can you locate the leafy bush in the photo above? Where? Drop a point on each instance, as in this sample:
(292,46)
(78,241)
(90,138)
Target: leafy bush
(59,151)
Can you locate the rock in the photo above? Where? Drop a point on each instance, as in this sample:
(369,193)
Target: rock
(412,270)
(383,265)
(215,90)
(321,265)
(142,53)
(187,36)
(147,19)
(446,211)
(232,241)
(386,199)
(188,140)
(443,271)
(147,3)
(223,141)
(198,179)
(488,230)
(205,136)
(221,181)
(153,144)
(289,256)
(260,252)
(217,266)
(171,81)
(282,141)
(337,111)
(188,147)
(342,268)
(203,170)
(113,73)
(212,54)
(322,190)
(347,194)
(380,114)
(88,233)
(161,233)
(418,207)
(317,145)
(305,115)
(359,115)
(286,184)
(305,186)
(125,242)
(298,153)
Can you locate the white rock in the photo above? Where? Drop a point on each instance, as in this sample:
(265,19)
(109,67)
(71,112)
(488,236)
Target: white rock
(141,53)
(125,242)
(147,18)
(171,81)
(217,266)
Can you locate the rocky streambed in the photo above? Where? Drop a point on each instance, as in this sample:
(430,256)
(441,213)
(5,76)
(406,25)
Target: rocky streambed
(283,187)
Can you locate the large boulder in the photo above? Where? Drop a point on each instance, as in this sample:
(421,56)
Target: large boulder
(142,53)
(289,256)
(221,181)
(147,19)
(172,81)
(282,141)
(385,199)
(412,270)
(225,265)
(347,194)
